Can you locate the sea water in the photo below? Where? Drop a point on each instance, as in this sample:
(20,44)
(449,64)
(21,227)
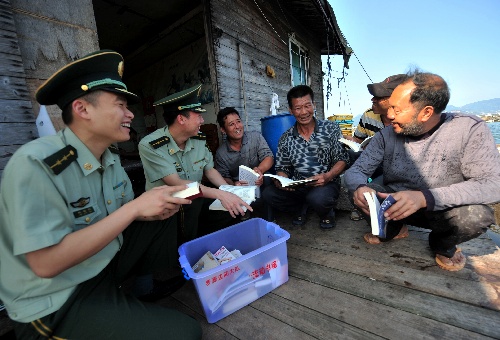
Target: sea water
(495,130)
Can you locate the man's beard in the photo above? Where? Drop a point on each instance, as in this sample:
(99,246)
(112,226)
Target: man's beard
(413,128)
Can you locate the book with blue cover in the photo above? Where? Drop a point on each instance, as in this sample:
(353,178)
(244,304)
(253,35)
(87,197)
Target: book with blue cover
(377,210)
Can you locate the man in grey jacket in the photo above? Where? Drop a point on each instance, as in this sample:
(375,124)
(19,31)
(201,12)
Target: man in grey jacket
(441,169)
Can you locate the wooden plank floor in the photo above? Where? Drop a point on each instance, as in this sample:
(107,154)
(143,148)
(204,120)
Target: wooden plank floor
(342,288)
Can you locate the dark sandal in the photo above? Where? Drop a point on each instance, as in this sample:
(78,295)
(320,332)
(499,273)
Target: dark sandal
(356,215)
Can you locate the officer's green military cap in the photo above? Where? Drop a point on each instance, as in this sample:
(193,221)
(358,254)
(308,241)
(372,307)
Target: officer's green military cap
(184,100)
(100,70)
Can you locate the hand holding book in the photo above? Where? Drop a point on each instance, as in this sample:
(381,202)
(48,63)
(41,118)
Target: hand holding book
(354,145)
(249,176)
(245,193)
(192,191)
(377,210)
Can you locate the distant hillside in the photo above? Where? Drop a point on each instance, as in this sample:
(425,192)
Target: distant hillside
(483,106)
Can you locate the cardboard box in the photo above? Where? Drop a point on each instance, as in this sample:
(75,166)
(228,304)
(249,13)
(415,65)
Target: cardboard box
(233,285)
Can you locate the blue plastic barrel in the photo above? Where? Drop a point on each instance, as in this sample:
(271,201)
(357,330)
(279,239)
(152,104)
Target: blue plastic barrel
(272,128)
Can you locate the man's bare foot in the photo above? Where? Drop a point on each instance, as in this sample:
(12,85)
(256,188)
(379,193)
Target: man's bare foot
(372,239)
(452,264)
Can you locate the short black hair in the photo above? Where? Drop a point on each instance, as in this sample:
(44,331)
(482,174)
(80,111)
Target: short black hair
(170,116)
(431,90)
(299,91)
(225,112)
(67,112)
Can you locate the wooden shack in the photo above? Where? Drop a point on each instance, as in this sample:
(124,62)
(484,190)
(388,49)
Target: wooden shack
(242,51)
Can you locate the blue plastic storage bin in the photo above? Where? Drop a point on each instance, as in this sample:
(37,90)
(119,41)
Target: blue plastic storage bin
(262,267)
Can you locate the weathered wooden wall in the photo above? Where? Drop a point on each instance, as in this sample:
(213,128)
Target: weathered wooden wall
(52,34)
(259,36)
(40,37)
(17,122)
(37,38)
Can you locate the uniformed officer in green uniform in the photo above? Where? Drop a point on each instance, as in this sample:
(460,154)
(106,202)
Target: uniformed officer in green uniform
(178,154)
(70,228)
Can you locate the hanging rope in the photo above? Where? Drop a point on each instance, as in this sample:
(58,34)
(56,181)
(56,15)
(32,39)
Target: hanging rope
(329,65)
(347,95)
(285,16)
(362,66)
(256,4)
(306,58)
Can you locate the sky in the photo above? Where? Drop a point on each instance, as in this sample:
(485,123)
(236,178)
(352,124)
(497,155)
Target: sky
(456,39)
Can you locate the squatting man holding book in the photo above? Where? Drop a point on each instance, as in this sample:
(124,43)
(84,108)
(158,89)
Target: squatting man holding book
(177,154)
(309,149)
(71,231)
(442,169)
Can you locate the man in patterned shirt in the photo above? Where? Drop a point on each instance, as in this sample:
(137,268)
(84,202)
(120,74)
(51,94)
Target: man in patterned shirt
(309,149)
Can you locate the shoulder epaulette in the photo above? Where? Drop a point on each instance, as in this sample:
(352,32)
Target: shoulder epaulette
(155,144)
(114,149)
(200,135)
(61,159)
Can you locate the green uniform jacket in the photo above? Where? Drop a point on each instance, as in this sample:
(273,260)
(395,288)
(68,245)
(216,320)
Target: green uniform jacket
(52,187)
(161,157)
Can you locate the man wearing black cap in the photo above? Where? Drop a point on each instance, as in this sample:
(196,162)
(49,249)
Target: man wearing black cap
(375,118)
(65,208)
(177,154)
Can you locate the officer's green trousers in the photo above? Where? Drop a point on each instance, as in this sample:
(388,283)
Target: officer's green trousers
(99,309)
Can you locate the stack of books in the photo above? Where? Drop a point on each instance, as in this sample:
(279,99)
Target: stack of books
(345,122)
